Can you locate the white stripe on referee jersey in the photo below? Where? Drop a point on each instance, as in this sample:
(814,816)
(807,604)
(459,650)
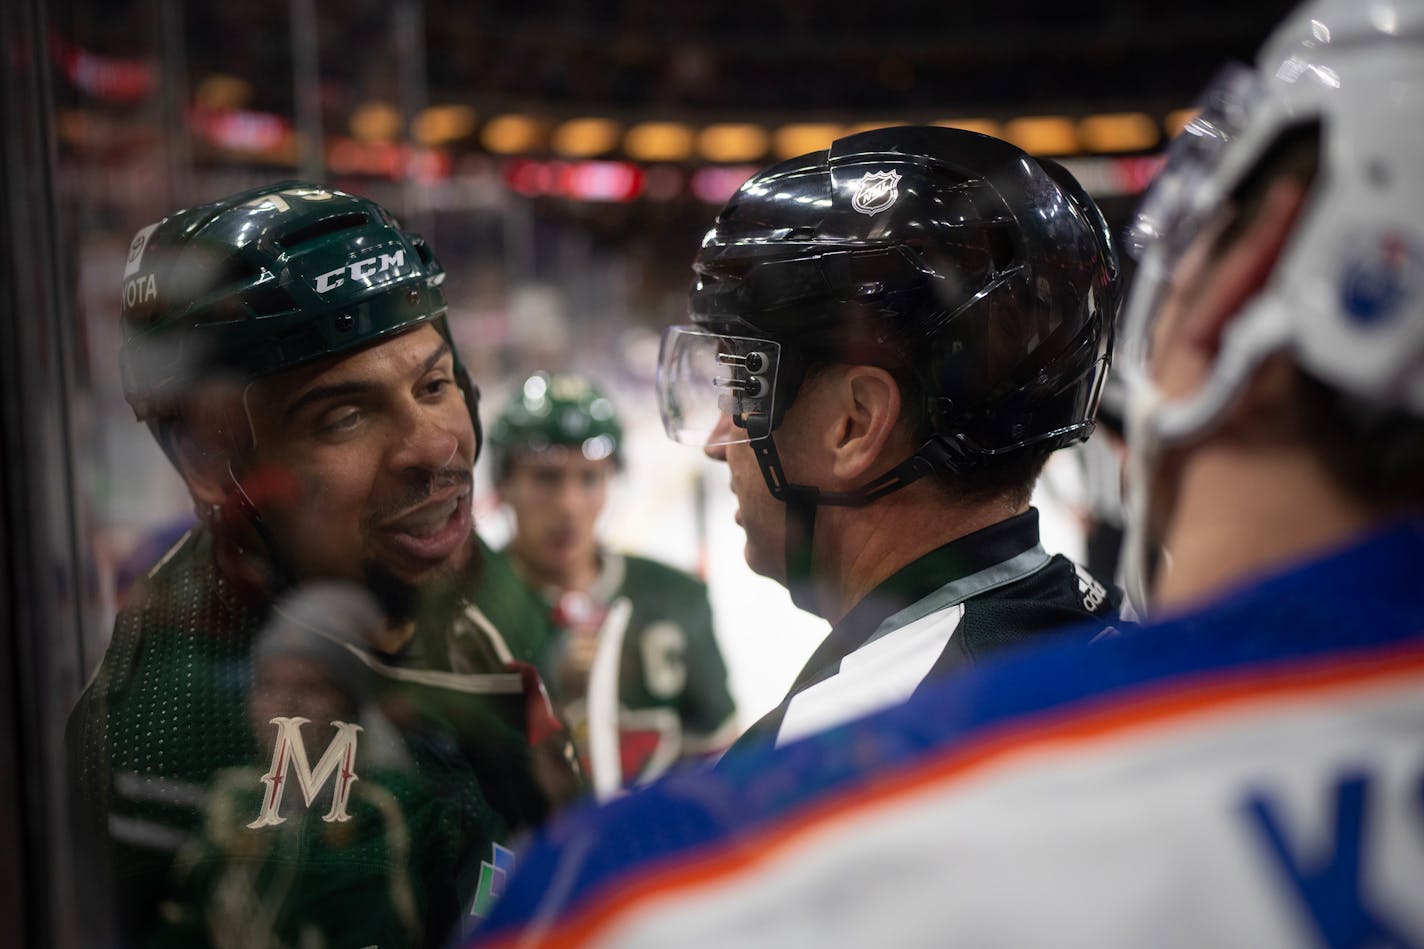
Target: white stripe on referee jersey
(901,653)
(878,675)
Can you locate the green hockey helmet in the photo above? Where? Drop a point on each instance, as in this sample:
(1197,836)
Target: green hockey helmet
(267,280)
(551,410)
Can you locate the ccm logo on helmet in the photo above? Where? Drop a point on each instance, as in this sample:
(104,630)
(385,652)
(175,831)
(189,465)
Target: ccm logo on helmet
(360,270)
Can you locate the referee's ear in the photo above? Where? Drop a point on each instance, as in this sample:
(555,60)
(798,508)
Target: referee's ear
(866,435)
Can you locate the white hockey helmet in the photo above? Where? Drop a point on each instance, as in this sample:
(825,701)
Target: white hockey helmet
(1346,297)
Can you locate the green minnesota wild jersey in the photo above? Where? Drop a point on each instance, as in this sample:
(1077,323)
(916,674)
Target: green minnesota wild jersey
(672,696)
(255,785)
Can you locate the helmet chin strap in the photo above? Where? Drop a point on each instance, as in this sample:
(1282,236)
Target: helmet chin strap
(280,575)
(801,501)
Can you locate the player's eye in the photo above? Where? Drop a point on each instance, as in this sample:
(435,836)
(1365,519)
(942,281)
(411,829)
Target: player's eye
(340,421)
(547,477)
(435,386)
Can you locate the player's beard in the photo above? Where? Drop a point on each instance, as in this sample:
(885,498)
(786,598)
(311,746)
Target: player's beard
(398,597)
(404,600)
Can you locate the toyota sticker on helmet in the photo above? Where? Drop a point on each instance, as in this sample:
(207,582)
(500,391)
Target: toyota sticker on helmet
(136,248)
(876,191)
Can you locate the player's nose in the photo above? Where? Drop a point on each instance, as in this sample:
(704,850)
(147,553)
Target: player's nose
(428,440)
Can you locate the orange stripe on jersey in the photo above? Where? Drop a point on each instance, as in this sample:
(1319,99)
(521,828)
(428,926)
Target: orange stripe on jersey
(1088,721)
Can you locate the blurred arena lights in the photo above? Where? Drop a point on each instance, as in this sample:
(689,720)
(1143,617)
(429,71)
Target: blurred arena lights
(873,125)
(982,126)
(106,78)
(223,91)
(716,185)
(1043,134)
(615,181)
(586,137)
(733,142)
(347,156)
(798,138)
(1177,120)
(1119,132)
(513,134)
(659,141)
(442,124)
(1112,154)
(375,121)
(242,130)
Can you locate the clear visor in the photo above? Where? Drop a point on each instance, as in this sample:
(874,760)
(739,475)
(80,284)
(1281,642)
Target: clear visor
(1182,195)
(710,386)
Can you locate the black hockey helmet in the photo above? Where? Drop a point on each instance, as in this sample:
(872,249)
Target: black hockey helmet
(984,279)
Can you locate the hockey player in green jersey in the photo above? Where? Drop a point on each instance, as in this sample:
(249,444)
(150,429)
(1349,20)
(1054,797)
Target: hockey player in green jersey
(636,668)
(288,348)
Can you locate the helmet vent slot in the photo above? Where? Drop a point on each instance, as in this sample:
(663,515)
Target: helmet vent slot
(322,228)
(268,299)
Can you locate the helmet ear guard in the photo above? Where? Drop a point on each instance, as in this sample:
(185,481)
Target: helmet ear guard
(471,392)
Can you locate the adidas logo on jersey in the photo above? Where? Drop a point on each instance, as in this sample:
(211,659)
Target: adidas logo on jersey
(1094,594)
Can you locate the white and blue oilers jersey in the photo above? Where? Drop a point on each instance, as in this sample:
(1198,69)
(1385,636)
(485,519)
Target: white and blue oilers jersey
(1251,774)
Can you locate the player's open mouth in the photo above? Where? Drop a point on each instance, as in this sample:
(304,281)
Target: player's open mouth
(434,531)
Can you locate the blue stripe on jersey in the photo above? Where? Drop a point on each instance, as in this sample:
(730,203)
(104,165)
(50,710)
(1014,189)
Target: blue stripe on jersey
(1355,601)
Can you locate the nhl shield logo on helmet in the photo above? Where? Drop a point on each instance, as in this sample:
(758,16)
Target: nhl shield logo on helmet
(876,191)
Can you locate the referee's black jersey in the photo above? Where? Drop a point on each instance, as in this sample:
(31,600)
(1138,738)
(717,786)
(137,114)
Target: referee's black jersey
(988,590)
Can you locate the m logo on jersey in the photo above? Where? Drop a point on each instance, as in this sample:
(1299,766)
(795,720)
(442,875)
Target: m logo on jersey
(876,192)
(290,754)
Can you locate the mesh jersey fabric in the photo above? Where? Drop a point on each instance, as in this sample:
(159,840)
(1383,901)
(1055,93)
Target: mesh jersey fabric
(168,766)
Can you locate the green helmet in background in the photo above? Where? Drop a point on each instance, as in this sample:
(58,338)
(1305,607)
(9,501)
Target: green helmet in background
(556,410)
(268,280)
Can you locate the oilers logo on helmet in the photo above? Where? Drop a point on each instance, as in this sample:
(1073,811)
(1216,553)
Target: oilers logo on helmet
(1381,277)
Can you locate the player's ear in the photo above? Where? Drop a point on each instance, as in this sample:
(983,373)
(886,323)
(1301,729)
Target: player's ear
(1244,266)
(868,403)
(206,444)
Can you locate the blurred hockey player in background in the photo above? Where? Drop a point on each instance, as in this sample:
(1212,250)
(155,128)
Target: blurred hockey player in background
(635,667)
